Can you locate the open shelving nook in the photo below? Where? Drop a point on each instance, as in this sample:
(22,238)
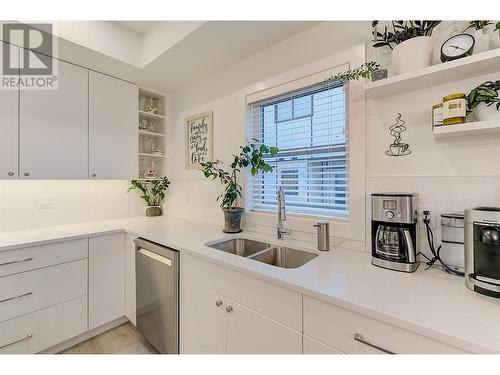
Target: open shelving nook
(152,126)
(439,74)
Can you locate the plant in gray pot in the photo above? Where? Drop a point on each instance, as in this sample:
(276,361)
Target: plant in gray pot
(153,192)
(252,155)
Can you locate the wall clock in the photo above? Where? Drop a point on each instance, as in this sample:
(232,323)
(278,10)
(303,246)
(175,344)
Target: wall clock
(456,47)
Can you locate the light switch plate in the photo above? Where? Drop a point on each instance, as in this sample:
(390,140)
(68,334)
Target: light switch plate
(46,202)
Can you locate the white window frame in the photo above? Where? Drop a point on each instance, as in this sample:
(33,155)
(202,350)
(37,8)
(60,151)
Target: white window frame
(354,228)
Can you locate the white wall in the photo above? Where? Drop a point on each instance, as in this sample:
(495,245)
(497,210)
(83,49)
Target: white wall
(75,201)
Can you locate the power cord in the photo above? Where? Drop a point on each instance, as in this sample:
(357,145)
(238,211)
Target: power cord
(430,240)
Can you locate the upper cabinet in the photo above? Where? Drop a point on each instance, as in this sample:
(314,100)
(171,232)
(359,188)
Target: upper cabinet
(112,128)
(8,128)
(53,127)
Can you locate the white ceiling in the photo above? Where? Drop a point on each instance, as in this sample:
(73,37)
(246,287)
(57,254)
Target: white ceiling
(138,27)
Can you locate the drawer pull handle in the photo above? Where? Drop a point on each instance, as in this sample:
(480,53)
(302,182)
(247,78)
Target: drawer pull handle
(17,261)
(27,337)
(15,297)
(359,338)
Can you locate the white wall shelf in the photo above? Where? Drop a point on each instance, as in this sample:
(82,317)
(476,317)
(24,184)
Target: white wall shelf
(467,67)
(151,134)
(467,129)
(150,115)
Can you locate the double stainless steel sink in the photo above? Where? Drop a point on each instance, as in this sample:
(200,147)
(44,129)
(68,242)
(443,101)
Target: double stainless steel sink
(278,256)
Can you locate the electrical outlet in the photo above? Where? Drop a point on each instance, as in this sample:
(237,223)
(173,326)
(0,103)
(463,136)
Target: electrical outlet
(432,217)
(46,202)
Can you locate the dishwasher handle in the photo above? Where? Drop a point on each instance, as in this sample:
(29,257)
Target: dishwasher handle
(157,257)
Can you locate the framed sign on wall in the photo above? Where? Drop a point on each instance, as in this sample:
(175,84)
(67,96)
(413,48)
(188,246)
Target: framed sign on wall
(199,139)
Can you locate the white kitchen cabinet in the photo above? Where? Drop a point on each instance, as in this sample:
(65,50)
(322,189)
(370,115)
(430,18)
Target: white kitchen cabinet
(249,332)
(106,278)
(202,321)
(312,346)
(113,128)
(53,127)
(212,323)
(9,129)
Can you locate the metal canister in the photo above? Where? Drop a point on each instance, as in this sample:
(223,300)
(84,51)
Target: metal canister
(454,109)
(452,239)
(323,228)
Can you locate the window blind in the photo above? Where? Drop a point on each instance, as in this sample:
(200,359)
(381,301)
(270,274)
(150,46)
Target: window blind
(309,126)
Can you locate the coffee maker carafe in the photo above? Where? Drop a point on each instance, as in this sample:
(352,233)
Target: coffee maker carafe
(395,231)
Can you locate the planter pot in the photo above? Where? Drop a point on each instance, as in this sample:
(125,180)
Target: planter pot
(232,219)
(485,113)
(379,74)
(153,211)
(482,41)
(412,54)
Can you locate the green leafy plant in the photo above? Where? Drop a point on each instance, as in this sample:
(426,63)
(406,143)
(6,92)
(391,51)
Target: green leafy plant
(497,26)
(477,25)
(486,93)
(153,191)
(401,31)
(364,71)
(252,155)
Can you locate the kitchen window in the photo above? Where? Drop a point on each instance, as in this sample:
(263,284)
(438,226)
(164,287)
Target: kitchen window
(309,126)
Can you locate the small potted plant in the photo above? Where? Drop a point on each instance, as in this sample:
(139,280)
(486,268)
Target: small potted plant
(484,101)
(366,71)
(410,42)
(252,155)
(153,192)
(481,39)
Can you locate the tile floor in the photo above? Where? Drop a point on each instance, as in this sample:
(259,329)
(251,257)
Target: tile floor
(124,339)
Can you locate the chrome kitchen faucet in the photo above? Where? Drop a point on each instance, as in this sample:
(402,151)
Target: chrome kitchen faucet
(280,230)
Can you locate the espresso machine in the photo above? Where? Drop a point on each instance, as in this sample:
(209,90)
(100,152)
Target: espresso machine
(395,231)
(482,250)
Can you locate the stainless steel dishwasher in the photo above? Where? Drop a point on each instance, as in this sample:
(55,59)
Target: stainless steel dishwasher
(157,295)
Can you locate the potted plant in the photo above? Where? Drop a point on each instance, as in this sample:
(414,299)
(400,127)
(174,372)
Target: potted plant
(153,192)
(366,71)
(482,40)
(410,42)
(484,101)
(252,155)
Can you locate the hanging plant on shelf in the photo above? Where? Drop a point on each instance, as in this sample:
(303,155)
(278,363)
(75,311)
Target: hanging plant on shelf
(484,101)
(364,71)
(398,148)
(477,25)
(251,155)
(401,32)
(153,193)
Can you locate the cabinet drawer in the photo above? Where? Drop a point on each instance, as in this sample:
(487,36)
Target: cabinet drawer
(26,292)
(33,257)
(337,327)
(45,328)
(280,304)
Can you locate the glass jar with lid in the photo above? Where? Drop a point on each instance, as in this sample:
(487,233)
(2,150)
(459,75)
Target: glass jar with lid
(454,109)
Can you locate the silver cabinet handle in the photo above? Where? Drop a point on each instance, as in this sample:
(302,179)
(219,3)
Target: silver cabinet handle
(16,297)
(218,303)
(359,338)
(11,174)
(16,261)
(94,175)
(26,174)
(229,309)
(27,337)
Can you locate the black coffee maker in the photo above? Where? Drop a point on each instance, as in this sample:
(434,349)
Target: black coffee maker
(395,231)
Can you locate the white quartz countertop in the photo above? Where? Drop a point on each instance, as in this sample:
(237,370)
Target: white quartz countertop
(431,303)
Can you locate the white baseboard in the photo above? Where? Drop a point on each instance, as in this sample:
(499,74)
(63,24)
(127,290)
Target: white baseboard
(84,336)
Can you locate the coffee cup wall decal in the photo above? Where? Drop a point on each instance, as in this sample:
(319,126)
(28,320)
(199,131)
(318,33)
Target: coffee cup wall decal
(398,148)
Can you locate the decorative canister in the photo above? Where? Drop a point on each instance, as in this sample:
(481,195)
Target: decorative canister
(437,115)
(454,109)
(452,238)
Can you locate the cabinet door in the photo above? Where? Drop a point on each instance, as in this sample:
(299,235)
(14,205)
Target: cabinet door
(249,332)
(202,321)
(53,127)
(8,128)
(312,346)
(113,128)
(106,279)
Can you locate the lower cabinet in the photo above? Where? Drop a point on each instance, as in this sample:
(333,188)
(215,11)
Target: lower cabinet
(106,278)
(214,324)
